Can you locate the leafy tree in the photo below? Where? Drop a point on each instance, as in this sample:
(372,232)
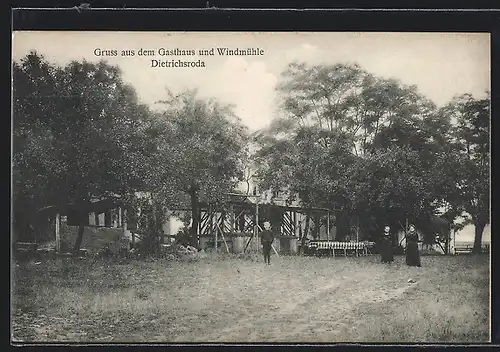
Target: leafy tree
(200,151)
(150,217)
(345,137)
(469,162)
(33,153)
(304,168)
(89,119)
(348,100)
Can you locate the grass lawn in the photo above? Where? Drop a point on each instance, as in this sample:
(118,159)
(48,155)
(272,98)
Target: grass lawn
(296,299)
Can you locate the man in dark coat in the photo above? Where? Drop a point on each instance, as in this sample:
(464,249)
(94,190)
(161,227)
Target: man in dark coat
(386,248)
(267,239)
(412,252)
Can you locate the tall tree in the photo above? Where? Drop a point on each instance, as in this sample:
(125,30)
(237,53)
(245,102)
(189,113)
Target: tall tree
(90,118)
(369,142)
(34,157)
(470,164)
(200,150)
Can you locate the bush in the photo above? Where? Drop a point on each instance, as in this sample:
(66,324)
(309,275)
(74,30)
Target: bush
(183,236)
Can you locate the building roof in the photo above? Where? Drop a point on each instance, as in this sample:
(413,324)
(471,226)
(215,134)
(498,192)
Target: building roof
(94,205)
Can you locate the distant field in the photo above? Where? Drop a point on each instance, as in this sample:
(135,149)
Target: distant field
(300,299)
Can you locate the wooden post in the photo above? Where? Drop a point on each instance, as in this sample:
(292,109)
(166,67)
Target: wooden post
(295,224)
(454,244)
(210,220)
(449,241)
(120,217)
(124,219)
(224,240)
(328,226)
(58,233)
(357,234)
(233,226)
(232,218)
(216,219)
(107,218)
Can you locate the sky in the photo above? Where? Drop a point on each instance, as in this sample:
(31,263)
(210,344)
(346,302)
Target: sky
(441,65)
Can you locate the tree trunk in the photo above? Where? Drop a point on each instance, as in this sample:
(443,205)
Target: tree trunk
(478,229)
(155,227)
(195,216)
(317,225)
(306,230)
(149,242)
(81,229)
(343,227)
(159,220)
(447,244)
(301,233)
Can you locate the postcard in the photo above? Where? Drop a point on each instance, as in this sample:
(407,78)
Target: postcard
(237,187)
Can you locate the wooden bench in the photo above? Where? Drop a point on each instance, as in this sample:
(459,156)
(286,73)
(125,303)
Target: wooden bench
(26,247)
(467,249)
(25,250)
(463,249)
(354,248)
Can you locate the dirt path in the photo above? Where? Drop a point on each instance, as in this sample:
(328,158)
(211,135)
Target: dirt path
(230,301)
(318,315)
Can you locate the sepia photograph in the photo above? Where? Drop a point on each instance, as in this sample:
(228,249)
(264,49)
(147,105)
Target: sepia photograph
(250,187)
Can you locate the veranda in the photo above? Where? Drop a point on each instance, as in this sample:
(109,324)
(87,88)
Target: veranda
(235,227)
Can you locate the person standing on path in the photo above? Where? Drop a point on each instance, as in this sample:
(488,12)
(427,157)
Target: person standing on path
(412,252)
(386,249)
(267,239)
